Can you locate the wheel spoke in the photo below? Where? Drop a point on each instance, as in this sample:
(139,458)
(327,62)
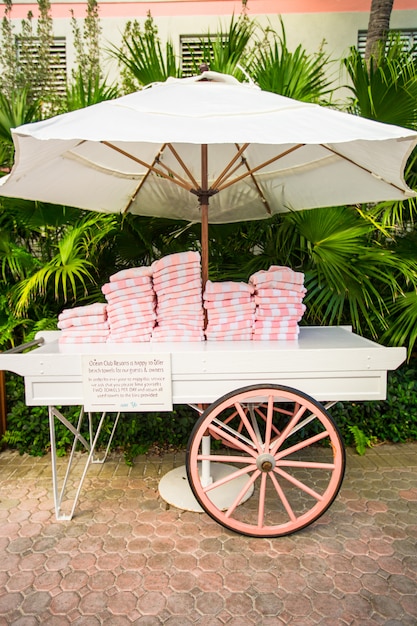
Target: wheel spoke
(242,493)
(299,484)
(261,504)
(249,428)
(302,444)
(236,439)
(282,497)
(229,478)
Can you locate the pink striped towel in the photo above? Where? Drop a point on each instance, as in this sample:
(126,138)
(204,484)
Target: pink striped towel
(176,335)
(118,285)
(131,307)
(232,302)
(266,336)
(65,339)
(274,324)
(279,293)
(192,302)
(188,289)
(177,276)
(132,272)
(240,325)
(229,336)
(98,308)
(278,273)
(226,287)
(280,311)
(139,292)
(99,322)
(176,259)
(276,284)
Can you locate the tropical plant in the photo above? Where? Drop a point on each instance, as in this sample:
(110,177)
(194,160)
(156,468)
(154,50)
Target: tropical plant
(227,51)
(26,60)
(68,274)
(142,57)
(15,110)
(295,74)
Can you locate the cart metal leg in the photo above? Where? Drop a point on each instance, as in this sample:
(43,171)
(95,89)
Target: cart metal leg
(60,492)
(283,443)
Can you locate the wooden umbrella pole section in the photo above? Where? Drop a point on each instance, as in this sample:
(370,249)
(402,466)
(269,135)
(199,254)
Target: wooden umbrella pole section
(204,202)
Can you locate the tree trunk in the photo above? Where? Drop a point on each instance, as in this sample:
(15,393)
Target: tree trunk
(378,26)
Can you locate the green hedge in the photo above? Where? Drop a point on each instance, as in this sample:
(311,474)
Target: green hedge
(361,424)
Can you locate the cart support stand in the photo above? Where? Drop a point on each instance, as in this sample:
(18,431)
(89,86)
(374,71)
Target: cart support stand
(60,492)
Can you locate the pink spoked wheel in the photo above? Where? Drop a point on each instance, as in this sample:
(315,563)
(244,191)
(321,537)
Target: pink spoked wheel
(265,460)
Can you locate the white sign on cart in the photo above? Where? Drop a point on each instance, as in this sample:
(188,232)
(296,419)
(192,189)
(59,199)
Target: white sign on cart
(127,382)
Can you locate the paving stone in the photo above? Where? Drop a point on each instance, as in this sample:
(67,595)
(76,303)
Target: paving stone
(126,558)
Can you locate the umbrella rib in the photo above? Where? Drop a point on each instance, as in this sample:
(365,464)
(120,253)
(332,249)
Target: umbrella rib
(139,187)
(225,174)
(171,175)
(362,167)
(260,167)
(183,165)
(255,182)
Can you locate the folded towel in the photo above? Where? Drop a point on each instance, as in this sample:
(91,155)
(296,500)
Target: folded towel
(239,325)
(234,302)
(138,290)
(229,336)
(280,311)
(144,282)
(99,322)
(131,307)
(276,284)
(80,331)
(226,287)
(98,308)
(233,310)
(176,259)
(277,273)
(231,318)
(177,276)
(267,336)
(275,323)
(81,339)
(159,334)
(279,293)
(172,288)
(132,272)
(184,302)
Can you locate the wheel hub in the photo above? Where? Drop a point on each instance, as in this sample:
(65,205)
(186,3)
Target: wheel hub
(265,462)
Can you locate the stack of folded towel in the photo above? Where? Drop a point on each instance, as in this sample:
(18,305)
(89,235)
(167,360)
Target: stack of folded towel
(131,305)
(279,294)
(230,311)
(84,324)
(178,287)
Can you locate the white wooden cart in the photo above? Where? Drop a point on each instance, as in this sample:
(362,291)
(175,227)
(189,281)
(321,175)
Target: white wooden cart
(264,458)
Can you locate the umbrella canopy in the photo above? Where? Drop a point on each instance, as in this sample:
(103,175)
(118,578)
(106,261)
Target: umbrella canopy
(172,149)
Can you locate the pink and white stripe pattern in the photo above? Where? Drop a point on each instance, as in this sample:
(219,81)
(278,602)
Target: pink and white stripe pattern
(178,288)
(230,310)
(84,324)
(131,305)
(279,294)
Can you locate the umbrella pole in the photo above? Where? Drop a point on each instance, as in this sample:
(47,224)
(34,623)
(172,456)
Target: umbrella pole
(204,203)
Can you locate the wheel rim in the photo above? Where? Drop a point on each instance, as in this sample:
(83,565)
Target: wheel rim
(283,444)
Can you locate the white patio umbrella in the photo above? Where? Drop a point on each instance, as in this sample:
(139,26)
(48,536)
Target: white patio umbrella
(175,148)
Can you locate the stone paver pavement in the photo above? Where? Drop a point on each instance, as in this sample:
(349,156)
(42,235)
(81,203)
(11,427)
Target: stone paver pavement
(127,558)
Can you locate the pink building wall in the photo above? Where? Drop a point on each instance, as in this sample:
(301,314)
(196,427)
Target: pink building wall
(179,8)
